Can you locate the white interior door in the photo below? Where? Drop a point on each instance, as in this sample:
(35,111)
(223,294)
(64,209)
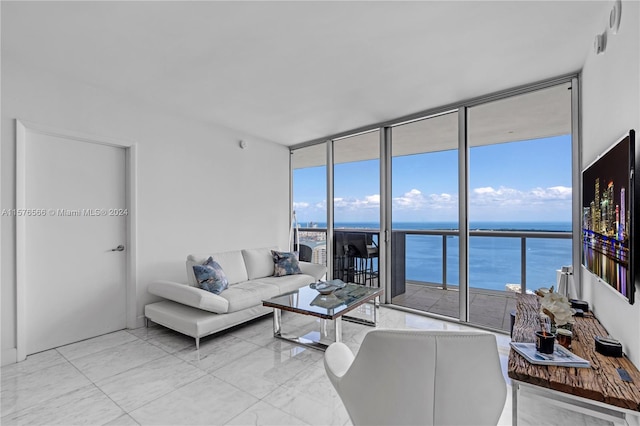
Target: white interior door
(75,284)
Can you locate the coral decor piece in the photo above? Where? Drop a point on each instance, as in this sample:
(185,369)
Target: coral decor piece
(556,306)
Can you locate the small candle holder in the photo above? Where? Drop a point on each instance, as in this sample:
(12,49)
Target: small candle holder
(545,342)
(564,337)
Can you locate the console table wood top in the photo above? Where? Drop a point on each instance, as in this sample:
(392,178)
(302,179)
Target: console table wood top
(600,383)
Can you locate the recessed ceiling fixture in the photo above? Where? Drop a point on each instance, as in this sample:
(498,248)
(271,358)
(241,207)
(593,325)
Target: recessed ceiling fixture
(614,16)
(242,144)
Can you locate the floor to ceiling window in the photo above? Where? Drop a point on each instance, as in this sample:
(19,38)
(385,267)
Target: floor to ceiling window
(424,175)
(309,183)
(519,199)
(515,175)
(356,207)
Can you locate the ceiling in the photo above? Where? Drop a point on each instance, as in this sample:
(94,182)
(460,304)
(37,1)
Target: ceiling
(533,115)
(292,72)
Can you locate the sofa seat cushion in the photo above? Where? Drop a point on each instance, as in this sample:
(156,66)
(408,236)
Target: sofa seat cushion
(232,264)
(196,322)
(288,283)
(247,294)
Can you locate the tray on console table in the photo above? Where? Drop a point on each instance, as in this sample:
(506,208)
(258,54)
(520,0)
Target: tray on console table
(600,383)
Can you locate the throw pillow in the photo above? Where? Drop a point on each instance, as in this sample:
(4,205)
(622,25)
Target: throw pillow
(285,263)
(210,276)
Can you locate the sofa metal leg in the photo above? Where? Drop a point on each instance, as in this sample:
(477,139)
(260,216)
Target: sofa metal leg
(197,343)
(146,322)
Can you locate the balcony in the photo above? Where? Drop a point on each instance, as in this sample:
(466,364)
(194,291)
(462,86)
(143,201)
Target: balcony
(489,305)
(489,308)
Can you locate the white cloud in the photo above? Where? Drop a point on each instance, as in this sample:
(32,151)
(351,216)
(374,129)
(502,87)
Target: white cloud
(560,192)
(412,200)
(340,203)
(444,202)
(504,196)
(502,201)
(367,202)
(373,199)
(485,190)
(416,200)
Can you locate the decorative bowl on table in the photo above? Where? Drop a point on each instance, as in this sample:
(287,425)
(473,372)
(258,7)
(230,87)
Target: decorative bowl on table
(327,287)
(323,287)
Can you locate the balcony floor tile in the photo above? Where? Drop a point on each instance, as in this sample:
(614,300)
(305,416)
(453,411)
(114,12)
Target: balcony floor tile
(489,308)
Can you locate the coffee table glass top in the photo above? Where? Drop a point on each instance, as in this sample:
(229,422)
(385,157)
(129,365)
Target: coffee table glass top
(307,300)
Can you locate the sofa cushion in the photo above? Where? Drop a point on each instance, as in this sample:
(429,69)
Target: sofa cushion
(190,296)
(195,322)
(232,263)
(259,262)
(316,270)
(288,283)
(285,263)
(211,277)
(247,294)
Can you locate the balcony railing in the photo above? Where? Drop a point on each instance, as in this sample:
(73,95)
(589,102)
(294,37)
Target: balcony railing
(399,247)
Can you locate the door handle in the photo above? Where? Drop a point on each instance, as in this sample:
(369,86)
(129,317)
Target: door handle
(119,248)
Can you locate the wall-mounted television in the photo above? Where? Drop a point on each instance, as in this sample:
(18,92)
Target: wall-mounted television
(610,217)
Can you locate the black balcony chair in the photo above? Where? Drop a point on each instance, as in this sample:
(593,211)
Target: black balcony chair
(304,253)
(343,265)
(361,248)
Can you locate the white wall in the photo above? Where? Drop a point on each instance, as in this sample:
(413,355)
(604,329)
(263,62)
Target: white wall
(610,107)
(197,190)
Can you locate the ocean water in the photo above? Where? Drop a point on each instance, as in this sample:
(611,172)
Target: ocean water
(493,261)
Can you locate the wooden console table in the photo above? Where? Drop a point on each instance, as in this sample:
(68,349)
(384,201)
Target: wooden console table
(598,391)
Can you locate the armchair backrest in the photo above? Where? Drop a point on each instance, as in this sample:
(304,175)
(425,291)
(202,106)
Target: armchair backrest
(423,377)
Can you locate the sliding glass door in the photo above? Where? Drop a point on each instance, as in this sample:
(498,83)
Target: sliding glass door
(356,208)
(424,175)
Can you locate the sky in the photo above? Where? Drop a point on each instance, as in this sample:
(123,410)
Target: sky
(517,182)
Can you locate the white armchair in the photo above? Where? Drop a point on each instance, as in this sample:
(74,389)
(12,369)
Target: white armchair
(419,377)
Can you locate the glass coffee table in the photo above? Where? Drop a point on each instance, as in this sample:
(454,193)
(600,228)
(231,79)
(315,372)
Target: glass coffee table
(334,306)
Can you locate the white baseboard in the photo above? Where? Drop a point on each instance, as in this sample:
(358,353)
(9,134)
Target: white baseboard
(139,321)
(9,356)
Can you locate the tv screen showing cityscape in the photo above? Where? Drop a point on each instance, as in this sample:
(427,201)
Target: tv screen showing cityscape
(607,196)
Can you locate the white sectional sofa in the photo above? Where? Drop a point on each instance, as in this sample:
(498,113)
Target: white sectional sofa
(198,313)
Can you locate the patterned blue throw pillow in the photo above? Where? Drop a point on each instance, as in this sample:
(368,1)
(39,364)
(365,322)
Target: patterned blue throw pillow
(210,276)
(285,263)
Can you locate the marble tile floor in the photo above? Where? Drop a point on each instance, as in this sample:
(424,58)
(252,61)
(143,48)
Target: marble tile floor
(154,376)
